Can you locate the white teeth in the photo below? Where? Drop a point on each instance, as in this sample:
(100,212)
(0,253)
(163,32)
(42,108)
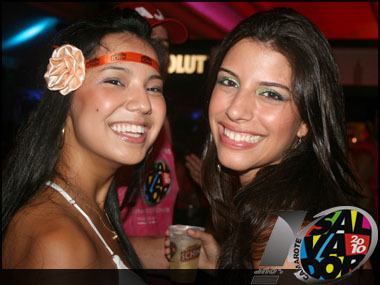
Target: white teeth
(133,135)
(123,128)
(241,137)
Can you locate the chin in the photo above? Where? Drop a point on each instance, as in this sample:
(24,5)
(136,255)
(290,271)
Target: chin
(131,159)
(235,164)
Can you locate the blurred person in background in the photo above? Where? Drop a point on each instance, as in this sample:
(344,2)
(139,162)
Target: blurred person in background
(365,158)
(147,214)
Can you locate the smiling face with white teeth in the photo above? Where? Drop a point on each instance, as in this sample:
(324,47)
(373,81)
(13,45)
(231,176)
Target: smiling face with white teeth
(253,118)
(119,110)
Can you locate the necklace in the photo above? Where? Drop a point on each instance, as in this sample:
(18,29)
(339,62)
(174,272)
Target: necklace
(68,198)
(115,235)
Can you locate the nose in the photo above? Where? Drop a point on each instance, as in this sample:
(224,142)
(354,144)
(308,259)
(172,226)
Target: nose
(138,100)
(241,107)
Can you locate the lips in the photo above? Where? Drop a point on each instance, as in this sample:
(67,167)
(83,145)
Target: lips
(238,138)
(130,132)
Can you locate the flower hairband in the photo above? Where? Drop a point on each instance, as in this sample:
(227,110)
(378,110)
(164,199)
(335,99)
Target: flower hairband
(66,69)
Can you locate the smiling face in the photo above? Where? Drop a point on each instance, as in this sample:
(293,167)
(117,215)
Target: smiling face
(118,111)
(253,118)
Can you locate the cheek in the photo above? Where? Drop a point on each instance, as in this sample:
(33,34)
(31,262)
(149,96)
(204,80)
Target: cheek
(285,127)
(159,109)
(283,120)
(218,105)
(89,109)
(104,107)
(213,110)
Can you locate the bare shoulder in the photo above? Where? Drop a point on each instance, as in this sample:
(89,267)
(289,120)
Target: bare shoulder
(46,237)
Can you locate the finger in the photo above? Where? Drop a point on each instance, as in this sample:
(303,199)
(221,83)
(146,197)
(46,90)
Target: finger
(195,176)
(194,173)
(193,169)
(206,238)
(196,158)
(192,163)
(189,166)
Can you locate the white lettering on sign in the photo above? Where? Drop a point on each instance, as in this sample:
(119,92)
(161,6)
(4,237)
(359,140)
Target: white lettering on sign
(145,13)
(187,63)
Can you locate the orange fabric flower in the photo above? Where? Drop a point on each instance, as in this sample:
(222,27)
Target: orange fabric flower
(66,69)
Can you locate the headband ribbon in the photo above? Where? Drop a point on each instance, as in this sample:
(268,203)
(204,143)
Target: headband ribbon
(67,66)
(122,56)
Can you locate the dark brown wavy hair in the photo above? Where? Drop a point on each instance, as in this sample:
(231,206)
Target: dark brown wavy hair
(313,176)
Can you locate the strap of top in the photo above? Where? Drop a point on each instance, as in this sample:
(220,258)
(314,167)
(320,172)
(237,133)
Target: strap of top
(72,202)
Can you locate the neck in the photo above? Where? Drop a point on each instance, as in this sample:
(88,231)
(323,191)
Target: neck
(90,175)
(93,190)
(247,176)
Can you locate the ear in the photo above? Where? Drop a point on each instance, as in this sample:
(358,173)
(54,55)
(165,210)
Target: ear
(302,130)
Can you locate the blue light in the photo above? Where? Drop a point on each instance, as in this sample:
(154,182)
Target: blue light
(33,95)
(197,114)
(29,33)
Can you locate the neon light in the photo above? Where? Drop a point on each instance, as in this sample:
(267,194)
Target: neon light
(220,13)
(197,114)
(29,33)
(33,95)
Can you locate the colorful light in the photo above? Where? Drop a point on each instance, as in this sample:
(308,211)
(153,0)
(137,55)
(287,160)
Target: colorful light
(220,13)
(29,33)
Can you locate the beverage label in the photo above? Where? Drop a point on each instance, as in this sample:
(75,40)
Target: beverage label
(190,253)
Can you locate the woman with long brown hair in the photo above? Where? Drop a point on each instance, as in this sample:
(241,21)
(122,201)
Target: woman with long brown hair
(277,135)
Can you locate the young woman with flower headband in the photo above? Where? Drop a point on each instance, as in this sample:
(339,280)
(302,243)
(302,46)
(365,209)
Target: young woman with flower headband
(103,109)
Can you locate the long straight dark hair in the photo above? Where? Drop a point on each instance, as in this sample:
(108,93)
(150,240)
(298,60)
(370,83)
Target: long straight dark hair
(33,160)
(313,176)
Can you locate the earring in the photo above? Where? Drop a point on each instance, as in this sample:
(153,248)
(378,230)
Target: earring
(298,142)
(63,137)
(218,167)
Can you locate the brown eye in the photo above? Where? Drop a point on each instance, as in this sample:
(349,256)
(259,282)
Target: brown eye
(270,94)
(229,82)
(114,82)
(155,89)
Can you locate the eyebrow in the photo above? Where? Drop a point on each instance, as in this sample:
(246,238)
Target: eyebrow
(156,77)
(264,83)
(228,71)
(274,84)
(126,70)
(115,67)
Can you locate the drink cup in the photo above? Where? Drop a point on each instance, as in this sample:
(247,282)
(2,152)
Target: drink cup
(184,253)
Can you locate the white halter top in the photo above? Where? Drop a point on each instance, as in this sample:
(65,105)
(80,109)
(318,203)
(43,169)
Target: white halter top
(116,259)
